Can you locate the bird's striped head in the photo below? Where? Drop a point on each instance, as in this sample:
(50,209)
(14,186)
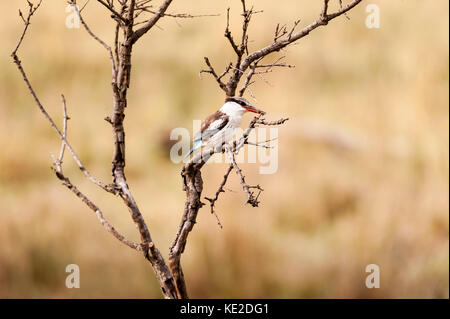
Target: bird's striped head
(237,104)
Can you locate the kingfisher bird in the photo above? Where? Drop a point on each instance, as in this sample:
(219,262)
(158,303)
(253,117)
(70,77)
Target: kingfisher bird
(220,127)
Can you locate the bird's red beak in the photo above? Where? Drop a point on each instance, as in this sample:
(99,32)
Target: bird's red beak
(254,109)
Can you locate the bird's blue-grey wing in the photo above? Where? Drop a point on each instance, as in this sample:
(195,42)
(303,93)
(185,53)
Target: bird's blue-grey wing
(212,124)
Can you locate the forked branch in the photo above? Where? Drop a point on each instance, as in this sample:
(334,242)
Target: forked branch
(246,62)
(236,147)
(120,65)
(247,65)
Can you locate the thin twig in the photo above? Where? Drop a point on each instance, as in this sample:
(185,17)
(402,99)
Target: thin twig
(214,74)
(67,183)
(96,38)
(60,134)
(213,200)
(281,39)
(251,198)
(63,144)
(116,15)
(151,22)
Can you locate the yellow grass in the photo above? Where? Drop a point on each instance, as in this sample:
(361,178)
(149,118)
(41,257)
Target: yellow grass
(325,214)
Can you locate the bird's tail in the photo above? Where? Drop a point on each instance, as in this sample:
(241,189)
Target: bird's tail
(196,145)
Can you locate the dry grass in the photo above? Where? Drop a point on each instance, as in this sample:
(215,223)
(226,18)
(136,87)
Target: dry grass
(326,213)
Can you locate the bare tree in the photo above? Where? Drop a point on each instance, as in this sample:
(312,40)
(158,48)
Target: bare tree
(133,19)
(246,65)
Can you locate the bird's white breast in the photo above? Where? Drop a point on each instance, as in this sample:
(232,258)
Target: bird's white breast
(226,135)
(234,112)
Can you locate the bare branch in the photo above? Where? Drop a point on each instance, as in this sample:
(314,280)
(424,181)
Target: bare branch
(53,125)
(214,74)
(182,15)
(262,144)
(281,39)
(345,14)
(84,5)
(213,200)
(248,79)
(193,186)
(116,47)
(251,198)
(120,84)
(289,36)
(58,163)
(323,19)
(96,38)
(276,64)
(67,183)
(31,10)
(229,36)
(271,123)
(279,32)
(63,135)
(323,14)
(171,278)
(237,145)
(151,22)
(116,15)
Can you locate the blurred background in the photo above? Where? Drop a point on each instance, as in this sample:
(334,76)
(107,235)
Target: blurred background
(363,163)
